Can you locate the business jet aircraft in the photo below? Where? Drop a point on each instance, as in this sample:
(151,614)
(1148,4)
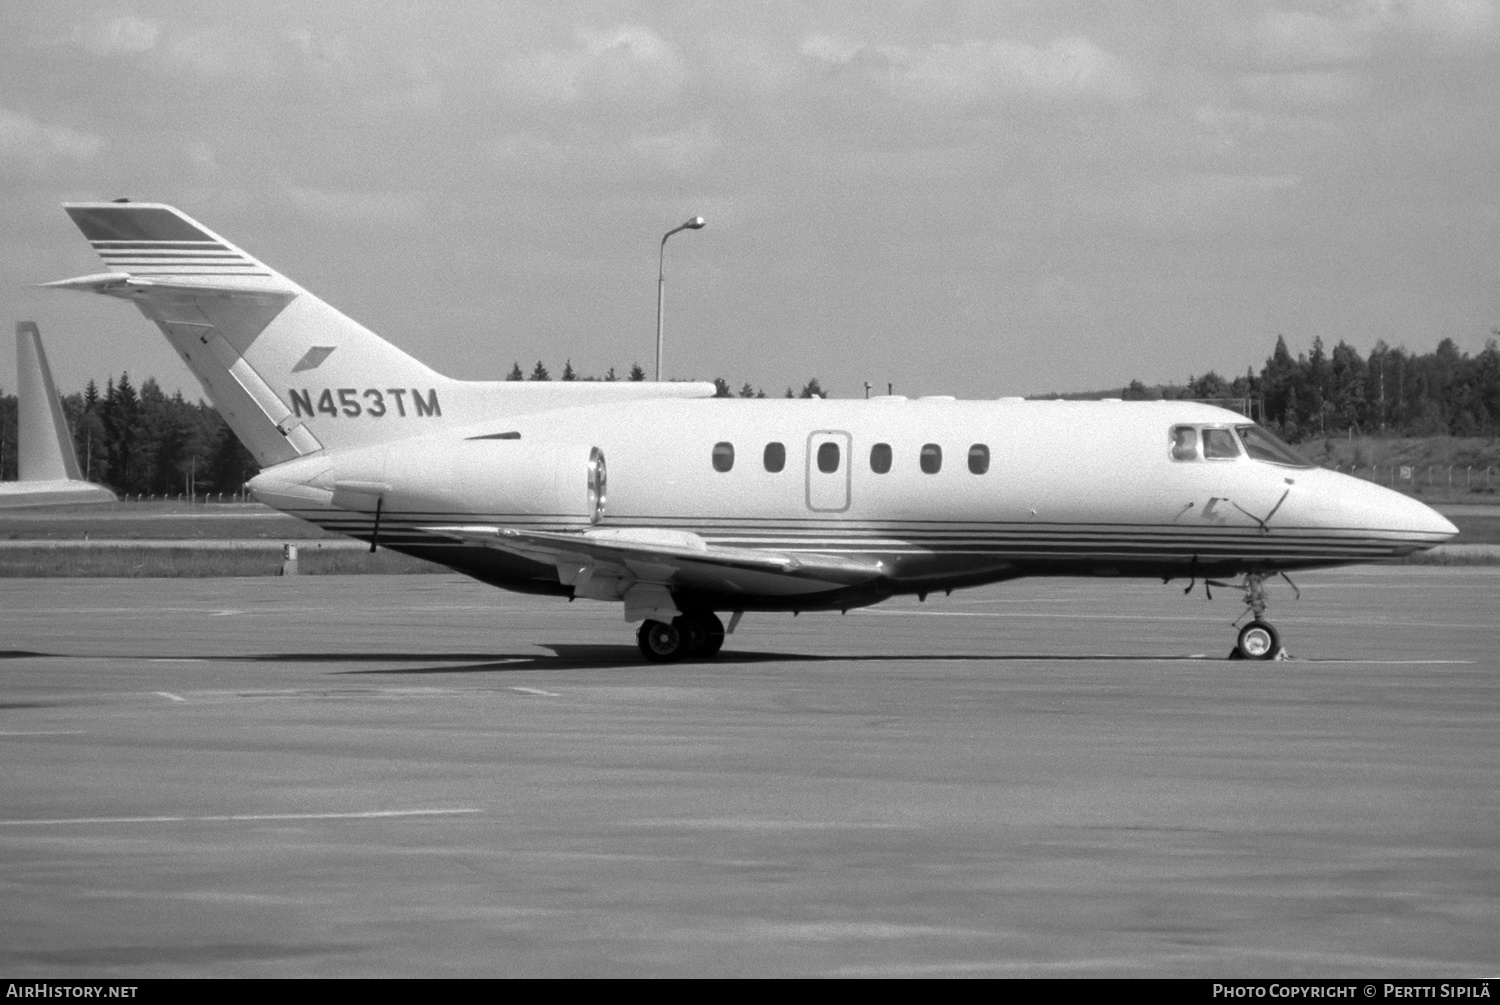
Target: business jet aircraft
(46,465)
(722,505)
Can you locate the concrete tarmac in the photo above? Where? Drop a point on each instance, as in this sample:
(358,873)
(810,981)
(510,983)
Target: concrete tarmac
(421,776)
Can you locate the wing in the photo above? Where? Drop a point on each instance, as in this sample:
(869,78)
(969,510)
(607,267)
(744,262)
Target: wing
(645,566)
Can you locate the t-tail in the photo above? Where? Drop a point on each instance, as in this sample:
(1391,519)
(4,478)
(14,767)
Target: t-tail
(271,356)
(291,375)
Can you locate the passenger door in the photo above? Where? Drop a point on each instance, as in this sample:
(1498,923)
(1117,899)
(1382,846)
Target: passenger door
(828,471)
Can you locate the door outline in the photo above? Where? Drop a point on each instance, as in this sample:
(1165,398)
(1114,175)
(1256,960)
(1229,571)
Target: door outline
(825,482)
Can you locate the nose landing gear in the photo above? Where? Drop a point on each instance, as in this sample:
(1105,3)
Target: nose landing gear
(1257,640)
(694,635)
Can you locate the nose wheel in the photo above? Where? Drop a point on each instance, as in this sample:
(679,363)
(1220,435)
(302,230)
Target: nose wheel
(1257,641)
(696,635)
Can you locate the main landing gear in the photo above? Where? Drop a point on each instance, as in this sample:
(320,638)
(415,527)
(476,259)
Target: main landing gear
(695,635)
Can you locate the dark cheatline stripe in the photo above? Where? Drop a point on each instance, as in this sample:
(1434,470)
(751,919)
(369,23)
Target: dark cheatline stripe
(197,256)
(198,272)
(106,246)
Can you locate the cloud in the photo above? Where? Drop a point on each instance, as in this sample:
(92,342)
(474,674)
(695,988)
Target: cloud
(1296,40)
(1308,90)
(1454,22)
(326,56)
(218,54)
(111,36)
(681,152)
(1193,203)
(30,143)
(349,206)
(201,156)
(979,71)
(627,63)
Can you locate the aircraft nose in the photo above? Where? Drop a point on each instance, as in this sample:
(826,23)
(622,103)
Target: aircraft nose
(1414,517)
(1408,520)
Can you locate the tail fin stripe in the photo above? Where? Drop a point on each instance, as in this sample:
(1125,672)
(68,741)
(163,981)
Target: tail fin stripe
(185,245)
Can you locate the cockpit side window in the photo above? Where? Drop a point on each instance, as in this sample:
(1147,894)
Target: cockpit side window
(1219,445)
(1262,446)
(1184,443)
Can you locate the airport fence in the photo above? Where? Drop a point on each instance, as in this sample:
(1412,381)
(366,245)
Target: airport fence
(1415,478)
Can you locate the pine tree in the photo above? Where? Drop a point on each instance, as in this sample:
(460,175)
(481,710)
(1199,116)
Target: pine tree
(721,388)
(515,372)
(539,372)
(568,373)
(636,373)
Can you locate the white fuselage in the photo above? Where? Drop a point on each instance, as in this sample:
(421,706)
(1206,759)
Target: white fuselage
(1066,488)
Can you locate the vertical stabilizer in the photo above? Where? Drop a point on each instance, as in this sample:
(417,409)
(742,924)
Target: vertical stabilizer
(290,374)
(44,446)
(45,462)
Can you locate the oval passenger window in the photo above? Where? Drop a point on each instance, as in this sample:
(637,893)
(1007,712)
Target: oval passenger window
(932,458)
(979,458)
(828,458)
(775,457)
(723,456)
(880,458)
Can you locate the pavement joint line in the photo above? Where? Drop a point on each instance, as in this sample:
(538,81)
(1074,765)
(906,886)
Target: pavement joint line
(44,732)
(242,817)
(169,695)
(538,691)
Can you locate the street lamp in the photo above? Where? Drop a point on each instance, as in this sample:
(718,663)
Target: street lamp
(696,223)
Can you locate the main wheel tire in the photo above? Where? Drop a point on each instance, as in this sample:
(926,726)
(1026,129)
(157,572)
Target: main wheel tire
(661,642)
(713,637)
(1258,641)
(702,634)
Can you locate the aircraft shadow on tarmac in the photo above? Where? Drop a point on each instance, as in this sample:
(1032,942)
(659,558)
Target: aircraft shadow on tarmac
(599,657)
(603,657)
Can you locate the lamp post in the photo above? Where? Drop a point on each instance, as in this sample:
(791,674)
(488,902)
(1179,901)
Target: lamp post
(696,223)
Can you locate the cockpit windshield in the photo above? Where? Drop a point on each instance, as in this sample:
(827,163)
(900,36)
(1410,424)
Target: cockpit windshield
(1262,446)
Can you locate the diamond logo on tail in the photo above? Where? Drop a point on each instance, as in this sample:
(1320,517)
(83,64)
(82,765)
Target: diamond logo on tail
(315,356)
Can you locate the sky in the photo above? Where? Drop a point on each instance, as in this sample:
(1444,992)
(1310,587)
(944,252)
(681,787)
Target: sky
(977,199)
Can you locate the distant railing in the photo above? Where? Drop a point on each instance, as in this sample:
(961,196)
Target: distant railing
(1465,478)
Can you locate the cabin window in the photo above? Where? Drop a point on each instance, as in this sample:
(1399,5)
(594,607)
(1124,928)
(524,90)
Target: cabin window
(775,457)
(932,458)
(979,458)
(723,456)
(880,458)
(1184,443)
(1219,445)
(828,458)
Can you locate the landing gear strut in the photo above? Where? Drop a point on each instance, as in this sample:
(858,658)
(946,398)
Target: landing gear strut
(1257,640)
(695,635)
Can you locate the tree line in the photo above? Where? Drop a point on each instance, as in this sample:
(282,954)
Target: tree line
(1391,392)
(144,442)
(812,389)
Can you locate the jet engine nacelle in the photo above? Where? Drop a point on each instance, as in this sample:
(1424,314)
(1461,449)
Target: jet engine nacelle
(482,479)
